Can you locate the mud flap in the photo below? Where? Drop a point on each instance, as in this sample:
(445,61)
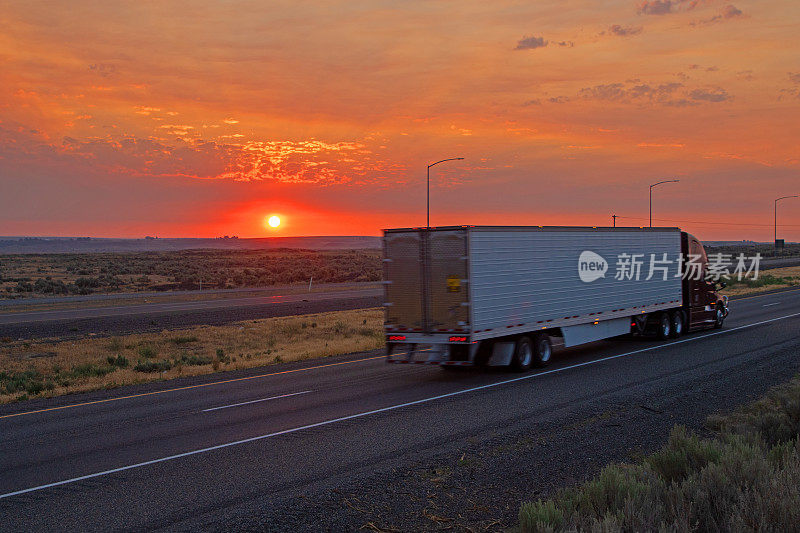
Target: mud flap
(502,352)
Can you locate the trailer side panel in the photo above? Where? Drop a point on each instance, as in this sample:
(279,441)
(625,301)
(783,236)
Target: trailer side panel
(526,277)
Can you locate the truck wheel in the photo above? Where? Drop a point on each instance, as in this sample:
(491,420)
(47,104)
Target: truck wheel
(664,327)
(676,317)
(719,318)
(542,350)
(523,355)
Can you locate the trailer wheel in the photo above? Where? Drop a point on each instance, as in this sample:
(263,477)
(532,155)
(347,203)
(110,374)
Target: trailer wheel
(664,330)
(676,318)
(542,350)
(523,355)
(719,318)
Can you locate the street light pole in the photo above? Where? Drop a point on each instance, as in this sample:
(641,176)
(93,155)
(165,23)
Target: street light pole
(776,213)
(651,197)
(428,209)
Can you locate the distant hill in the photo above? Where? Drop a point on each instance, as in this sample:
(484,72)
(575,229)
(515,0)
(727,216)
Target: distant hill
(52,245)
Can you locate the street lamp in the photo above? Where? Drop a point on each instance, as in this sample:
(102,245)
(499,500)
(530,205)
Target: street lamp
(651,197)
(428,210)
(776,213)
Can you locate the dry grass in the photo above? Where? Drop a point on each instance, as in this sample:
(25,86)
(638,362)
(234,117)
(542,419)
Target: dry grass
(46,368)
(776,278)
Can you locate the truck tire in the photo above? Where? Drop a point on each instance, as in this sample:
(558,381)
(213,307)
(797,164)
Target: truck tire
(523,355)
(663,326)
(719,318)
(542,350)
(677,320)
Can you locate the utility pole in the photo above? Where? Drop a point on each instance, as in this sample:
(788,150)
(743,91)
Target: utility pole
(614,218)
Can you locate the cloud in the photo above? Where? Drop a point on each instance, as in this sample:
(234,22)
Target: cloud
(531,43)
(230,121)
(622,31)
(655,7)
(730,11)
(663,7)
(638,92)
(710,95)
(176,129)
(712,68)
(144,110)
(103,69)
(310,161)
(672,94)
(611,91)
(726,13)
(660,145)
(794,78)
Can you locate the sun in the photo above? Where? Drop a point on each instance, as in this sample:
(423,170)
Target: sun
(274,221)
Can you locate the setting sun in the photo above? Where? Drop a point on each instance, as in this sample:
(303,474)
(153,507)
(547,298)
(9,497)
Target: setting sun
(274,221)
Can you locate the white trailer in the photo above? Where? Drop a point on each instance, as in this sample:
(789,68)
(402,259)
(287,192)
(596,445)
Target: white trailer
(500,295)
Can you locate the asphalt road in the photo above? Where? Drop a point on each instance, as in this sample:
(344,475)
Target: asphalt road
(137,318)
(272,290)
(334,444)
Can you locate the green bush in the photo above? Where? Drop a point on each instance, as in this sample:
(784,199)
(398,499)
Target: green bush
(89,370)
(12,382)
(221,357)
(152,366)
(746,478)
(148,352)
(684,454)
(119,361)
(193,360)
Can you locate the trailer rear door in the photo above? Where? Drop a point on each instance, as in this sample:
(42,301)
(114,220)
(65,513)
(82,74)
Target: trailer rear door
(427,282)
(403,274)
(447,279)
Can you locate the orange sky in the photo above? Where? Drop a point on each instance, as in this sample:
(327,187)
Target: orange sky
(201,118)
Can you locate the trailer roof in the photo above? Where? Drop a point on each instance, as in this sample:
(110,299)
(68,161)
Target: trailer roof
(532,228)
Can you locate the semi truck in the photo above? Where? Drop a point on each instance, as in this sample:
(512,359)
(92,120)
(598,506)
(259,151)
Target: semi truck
(507,295)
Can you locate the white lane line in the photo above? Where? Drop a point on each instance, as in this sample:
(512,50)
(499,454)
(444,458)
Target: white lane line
(767,305)
(256,401)
(383,409)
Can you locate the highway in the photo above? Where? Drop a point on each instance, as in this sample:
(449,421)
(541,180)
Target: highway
(342,443)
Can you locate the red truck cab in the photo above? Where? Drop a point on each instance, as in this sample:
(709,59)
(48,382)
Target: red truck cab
(701,301)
